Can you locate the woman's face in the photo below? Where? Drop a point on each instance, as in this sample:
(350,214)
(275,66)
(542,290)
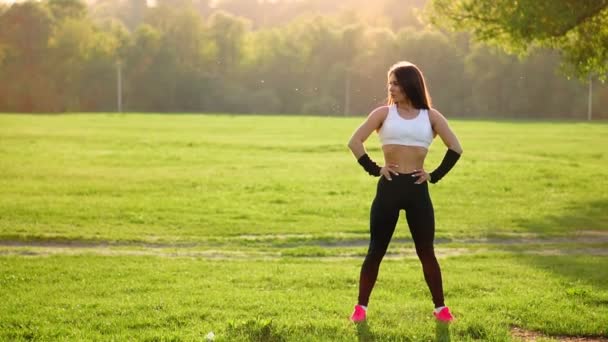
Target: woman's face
(395,90)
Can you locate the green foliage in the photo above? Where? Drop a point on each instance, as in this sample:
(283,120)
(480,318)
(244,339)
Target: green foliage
(576,28)
(188,58)
(227,31)
(63,9)
(25,29)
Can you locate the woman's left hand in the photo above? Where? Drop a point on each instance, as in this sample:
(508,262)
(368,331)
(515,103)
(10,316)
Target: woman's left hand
(422,175)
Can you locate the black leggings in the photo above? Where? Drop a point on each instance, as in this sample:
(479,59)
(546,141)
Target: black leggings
(391,197)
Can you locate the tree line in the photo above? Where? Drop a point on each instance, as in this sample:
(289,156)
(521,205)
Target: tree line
(60,56)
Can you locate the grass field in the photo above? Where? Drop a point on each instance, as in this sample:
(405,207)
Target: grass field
(168,227)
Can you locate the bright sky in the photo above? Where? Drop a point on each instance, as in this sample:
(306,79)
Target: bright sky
(151,3)
(13,1)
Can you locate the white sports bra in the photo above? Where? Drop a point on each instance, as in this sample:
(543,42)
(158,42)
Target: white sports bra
(409,132)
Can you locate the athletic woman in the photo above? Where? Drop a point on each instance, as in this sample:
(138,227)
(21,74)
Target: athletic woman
(406,127)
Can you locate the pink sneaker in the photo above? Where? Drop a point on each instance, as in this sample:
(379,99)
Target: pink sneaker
(358,315)
(444,315)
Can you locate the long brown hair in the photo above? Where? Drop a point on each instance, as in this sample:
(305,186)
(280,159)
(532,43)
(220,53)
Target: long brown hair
(411,81)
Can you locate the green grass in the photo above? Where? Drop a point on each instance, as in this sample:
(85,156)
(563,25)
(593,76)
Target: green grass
(188,178)
(167,227)
(154,298)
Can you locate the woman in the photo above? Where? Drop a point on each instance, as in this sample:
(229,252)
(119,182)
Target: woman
(406,128)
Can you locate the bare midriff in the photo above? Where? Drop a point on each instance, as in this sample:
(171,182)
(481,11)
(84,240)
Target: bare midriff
(408,158)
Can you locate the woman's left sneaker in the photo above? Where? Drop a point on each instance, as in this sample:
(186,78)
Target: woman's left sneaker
(358,315)
(443,314)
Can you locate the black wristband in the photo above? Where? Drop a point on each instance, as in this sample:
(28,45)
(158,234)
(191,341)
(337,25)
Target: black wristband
(369,165)
(448,162)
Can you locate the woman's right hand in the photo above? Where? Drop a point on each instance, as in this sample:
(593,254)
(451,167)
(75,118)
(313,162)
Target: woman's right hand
(389,169)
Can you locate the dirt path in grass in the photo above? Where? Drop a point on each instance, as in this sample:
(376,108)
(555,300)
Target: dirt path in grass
(532,336)
(309,246)
(46,250)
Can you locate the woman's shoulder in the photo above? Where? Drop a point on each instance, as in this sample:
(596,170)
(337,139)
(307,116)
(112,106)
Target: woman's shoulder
(381,111)
(434,114)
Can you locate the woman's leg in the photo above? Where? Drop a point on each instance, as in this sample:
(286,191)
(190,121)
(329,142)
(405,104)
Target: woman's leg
(421,220)
(383,219)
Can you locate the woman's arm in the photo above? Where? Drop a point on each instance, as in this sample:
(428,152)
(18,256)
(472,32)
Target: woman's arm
(441,127)
(373,122)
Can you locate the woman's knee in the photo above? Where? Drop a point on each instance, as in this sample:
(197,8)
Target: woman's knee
(425,251)
(375,255)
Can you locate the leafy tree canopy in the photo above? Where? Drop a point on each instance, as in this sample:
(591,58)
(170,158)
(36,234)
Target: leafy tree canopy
(577,29)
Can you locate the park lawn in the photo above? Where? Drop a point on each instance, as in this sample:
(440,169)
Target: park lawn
(197,178)
(90,297)
(168,227)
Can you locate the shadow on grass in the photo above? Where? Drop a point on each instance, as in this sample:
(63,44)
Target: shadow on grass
(578,269)
(442,332)
(364,332)
(254,330)
(590,218)
(591,215)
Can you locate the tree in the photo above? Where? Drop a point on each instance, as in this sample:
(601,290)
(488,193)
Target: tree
(131,13)
(169,63)
(577,29)
(25,29)
(274,64)
(228,32)
(68,52)
(61,9)
(145,90)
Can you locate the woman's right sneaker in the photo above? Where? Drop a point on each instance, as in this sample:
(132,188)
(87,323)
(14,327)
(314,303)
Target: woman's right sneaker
(443,315)
(358,315)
